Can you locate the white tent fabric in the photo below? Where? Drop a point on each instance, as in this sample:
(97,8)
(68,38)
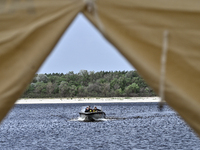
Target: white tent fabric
(30,29)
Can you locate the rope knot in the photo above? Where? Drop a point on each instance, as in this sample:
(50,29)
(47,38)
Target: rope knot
(90,6)
(92,9)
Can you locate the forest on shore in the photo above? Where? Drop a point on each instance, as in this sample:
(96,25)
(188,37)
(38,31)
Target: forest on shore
(88,84)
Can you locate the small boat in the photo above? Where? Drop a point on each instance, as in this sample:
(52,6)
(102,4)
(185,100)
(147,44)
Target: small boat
(92,114)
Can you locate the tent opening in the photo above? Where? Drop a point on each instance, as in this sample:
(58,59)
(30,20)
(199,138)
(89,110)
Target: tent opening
(82,47)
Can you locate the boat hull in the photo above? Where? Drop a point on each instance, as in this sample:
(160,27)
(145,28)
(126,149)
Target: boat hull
(92,116)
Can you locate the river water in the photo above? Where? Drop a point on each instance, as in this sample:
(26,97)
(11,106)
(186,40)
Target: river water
(127,126)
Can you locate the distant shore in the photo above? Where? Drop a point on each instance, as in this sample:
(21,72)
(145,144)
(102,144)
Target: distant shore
(87,100)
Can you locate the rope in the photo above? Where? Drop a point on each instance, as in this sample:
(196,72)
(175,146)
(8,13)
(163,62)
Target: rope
(163,68)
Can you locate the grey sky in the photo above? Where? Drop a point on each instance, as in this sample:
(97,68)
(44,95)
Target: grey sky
(82,47)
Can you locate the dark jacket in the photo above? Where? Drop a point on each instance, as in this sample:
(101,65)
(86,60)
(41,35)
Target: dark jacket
(87,110)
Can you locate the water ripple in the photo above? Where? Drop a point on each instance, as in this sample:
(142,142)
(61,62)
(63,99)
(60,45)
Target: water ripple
(127,126)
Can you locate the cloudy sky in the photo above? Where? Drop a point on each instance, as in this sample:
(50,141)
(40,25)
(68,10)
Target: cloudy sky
(82,47)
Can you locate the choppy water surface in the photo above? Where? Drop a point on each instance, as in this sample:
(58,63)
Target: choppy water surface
(128,126)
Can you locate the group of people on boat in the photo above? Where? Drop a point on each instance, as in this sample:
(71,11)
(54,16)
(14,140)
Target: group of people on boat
(88,109)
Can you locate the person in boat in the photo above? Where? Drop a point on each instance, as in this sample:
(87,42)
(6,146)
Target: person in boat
(95,109)
(88,109)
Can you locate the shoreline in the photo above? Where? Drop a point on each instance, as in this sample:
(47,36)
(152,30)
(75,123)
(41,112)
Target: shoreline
(87,100)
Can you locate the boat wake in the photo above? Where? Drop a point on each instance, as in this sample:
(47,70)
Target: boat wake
(83,120)
(136,116)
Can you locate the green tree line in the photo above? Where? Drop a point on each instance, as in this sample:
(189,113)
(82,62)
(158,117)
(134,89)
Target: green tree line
(88,84)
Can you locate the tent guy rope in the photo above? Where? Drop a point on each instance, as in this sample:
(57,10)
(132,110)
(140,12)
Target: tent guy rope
(163,68)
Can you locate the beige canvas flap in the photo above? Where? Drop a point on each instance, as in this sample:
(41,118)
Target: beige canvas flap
(28,32)
(137,29)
